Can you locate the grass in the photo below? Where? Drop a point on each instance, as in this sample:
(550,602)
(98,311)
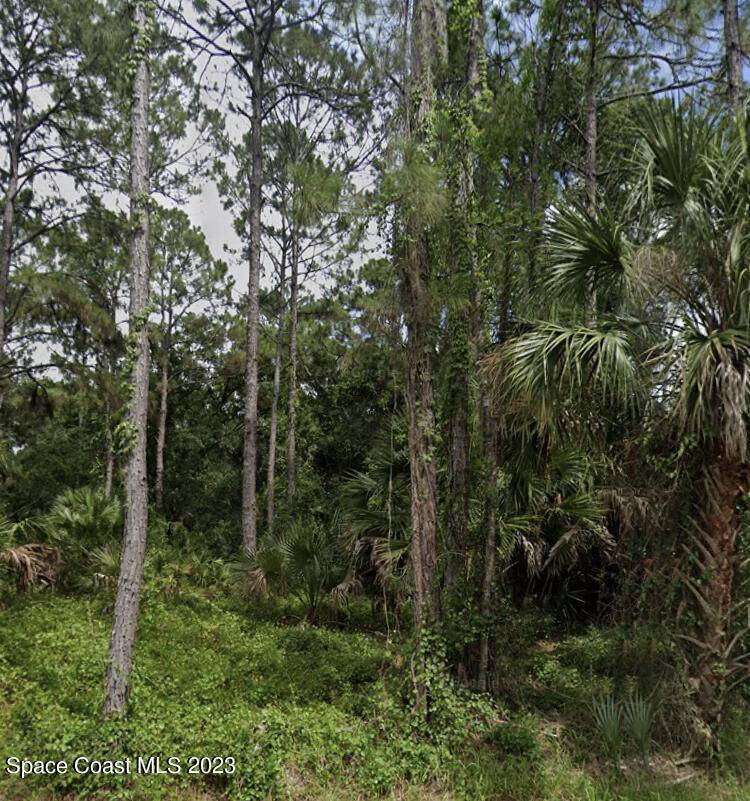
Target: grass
(307,713)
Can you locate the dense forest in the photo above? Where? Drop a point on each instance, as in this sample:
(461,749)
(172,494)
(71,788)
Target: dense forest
(374,400)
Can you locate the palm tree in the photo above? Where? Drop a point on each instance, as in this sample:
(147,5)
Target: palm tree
(553,523)
(374,512)
(83,518)
(303,560)
(656,314)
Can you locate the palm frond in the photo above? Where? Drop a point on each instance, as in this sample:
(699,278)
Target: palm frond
(673,152)
(34,563)
(715,387)
(574,543)
(348,586)
(552,362)
(589,254)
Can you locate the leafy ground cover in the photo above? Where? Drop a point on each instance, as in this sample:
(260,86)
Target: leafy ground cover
(306,713)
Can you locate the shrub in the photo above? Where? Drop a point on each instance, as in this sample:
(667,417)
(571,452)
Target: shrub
(626,722)
(85,526)
(608,720)
(638,717)
(303,561)
(82,519)
(515,739)
(23,563)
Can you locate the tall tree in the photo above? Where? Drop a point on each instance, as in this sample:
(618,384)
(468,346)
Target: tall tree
(186,277)
(428,62)
(489,455)
(248,35)
(278,358)
(308,196)
(42,86)
(74,303)
(291,436)
(127,602)
(274,48)
(466,25)
(591,100)
(308,190)
(553,21)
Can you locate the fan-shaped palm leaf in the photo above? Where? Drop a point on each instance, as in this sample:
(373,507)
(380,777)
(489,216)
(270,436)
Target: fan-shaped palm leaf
(673,155)
(588,254)
(553,361)
(715,387)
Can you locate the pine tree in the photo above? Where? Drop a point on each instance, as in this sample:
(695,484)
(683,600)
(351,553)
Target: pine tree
(125,620)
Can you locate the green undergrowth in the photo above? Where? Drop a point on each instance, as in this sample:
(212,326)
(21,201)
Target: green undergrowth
(307,713)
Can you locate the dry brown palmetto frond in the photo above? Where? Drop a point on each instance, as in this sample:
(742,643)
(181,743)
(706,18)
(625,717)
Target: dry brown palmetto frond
(715,393)
(658,269)
(633,509)
(33,563)
(348,586)
(256,583)
(533,552)
(733,390)
(571,545)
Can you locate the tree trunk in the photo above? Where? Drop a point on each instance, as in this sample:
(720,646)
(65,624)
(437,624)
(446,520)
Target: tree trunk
(125,621)
(429,53)
(461,340)
(161,433)
(458,458)
(109,443)
(270,483)
(291,442)
(9,207)
(733,55)
(109,456)
(724,483)
(541,96)
(422,459)
(250,449)
(489,447)
(592,104)
(109,467)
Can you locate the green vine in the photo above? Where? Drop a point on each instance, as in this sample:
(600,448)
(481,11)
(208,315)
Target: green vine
(125,433)
(444,711)
(143,37)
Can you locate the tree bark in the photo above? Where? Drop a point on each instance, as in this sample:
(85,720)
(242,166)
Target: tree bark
(541,98)
(489,446)
(422,458)
(429,53)
(291,442)
(9,207)
(462,345)
(109,466)
(271,479)
(733,55)
(109,456)
(250,448)
(167,322)
(458,463)
(592,104)
(127,603)
(109,442)
(724,483)
(161,432)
